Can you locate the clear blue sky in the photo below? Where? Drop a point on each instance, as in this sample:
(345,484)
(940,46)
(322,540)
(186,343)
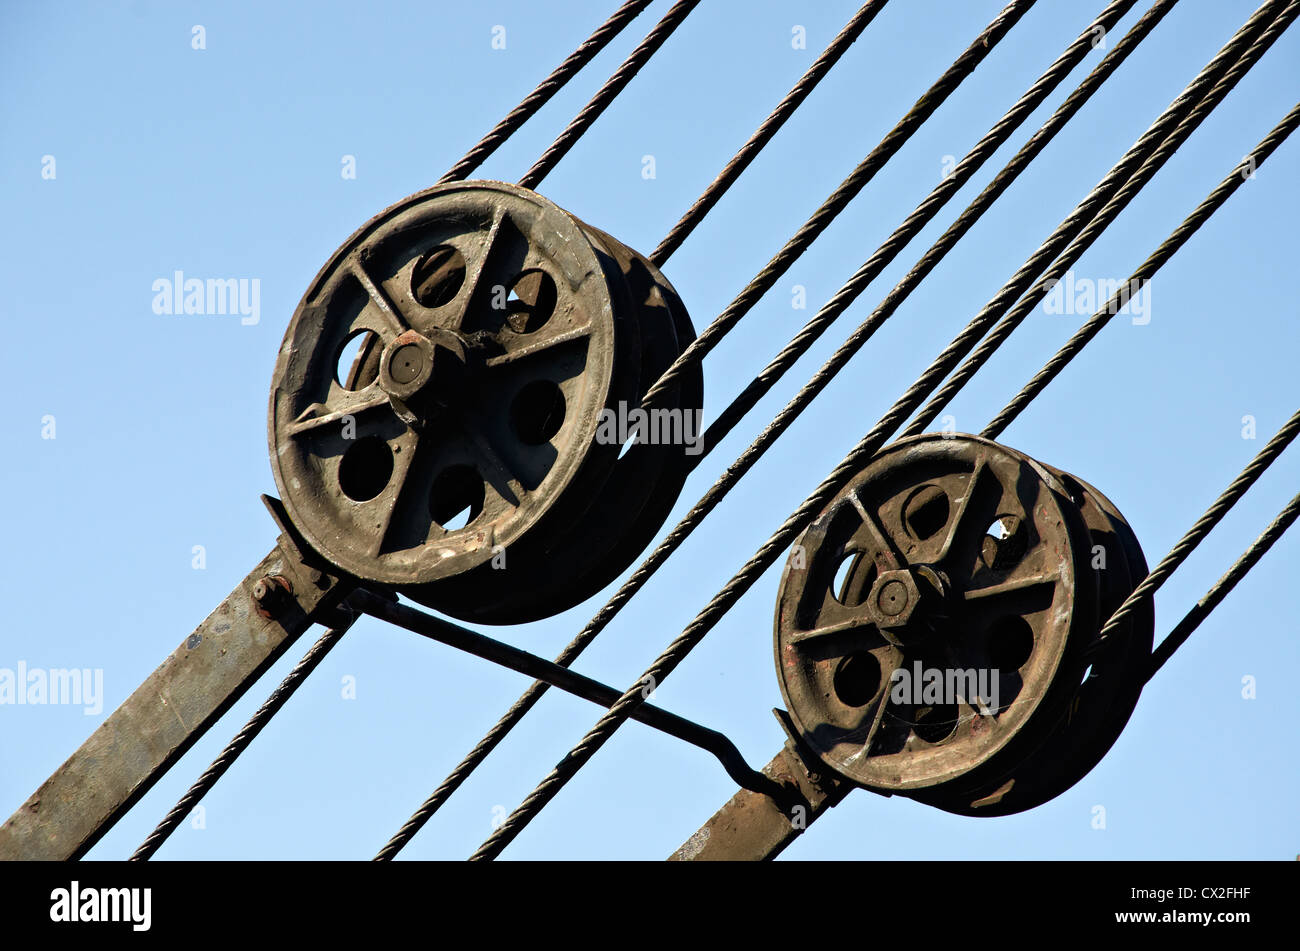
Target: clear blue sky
(225,162)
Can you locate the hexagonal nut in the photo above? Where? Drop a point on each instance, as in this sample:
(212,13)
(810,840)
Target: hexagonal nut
(894,598)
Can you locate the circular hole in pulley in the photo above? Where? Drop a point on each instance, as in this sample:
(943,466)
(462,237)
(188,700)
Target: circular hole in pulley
(935,724)
(842,571)
(537,412)
(854,575)
(352,369)
(1010,642)
(925,512)
(456,498)
(438,275)
(365,469)
(1004,543)
(531,301)
(857,678)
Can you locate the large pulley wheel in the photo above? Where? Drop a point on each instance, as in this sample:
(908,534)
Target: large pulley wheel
(496,344)
(438,402)
(932,622)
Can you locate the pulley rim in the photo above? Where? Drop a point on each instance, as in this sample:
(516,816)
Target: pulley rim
(915,506)
(425,274)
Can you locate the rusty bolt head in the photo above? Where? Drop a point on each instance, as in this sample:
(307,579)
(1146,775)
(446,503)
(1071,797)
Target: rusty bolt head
(272,594)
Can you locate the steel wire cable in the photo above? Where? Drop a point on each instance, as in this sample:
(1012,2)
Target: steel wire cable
(608,92)
(763,134)
(547,88)
(1093,325)
(762,383)
(575,648)
(1070,255)
(1211,599)
(785,535)
(1205,524)
(838,200)
(278,698)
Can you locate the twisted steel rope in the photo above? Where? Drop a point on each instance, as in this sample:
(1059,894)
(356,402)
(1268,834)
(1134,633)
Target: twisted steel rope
(534,693)
(763,134)
(547,88)
(1203,526)
(768,553)
(1193,537)
(749,397)
(1030,301)
(608,92)
(278,698)
(1210,600)
(838,200)
(1093,325)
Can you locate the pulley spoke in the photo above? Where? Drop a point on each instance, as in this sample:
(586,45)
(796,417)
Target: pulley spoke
(1018,586)
(405,447)
(858,623)
(478,265)
(966,519)
(318,414)
(886,678)
(393,321)
(887,554)
(504,483)
(534,349)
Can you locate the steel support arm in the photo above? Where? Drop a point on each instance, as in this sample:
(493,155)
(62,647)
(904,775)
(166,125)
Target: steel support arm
(753,827)
(171,710)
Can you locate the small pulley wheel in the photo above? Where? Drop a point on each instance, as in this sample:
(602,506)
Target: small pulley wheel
(438,391)
(932,621)
(1110,687)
